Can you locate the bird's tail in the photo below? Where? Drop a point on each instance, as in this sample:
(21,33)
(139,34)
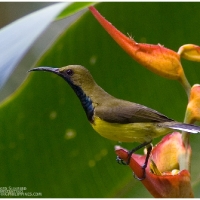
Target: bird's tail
(190,128)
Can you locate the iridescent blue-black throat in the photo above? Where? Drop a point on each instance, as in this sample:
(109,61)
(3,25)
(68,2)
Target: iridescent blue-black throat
(85,101)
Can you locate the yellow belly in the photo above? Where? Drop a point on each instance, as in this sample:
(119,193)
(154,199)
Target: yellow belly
(132,132)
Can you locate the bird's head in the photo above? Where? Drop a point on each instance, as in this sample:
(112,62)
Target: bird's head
(75,75)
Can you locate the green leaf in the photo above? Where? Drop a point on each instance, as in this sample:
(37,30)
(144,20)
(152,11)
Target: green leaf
(15,42)
(18,37)
(46,142)
(72,8)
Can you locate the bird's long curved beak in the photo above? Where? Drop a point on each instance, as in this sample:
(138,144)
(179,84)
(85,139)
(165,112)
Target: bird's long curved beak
(48,69)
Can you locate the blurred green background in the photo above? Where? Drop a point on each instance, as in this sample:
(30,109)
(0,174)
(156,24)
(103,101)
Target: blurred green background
(46,142)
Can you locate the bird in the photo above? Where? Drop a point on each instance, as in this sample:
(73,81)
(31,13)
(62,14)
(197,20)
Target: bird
(117,119)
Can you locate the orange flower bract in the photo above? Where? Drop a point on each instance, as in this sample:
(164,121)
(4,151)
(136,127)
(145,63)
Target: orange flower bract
(193,107)
(156,58)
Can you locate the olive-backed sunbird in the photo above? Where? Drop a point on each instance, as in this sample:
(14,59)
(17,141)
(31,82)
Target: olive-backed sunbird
(117,119)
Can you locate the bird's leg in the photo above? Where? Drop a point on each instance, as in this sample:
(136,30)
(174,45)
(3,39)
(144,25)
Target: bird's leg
(149,148)
(137,148)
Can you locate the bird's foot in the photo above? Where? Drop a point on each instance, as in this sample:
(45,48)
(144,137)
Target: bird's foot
(143,176)
(120,161)
(149,148)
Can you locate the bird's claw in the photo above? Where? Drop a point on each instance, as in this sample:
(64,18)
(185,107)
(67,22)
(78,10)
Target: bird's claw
(139,179)
(120,161)
(144,174)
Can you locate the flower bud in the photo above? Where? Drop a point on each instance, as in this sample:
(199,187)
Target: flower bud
(190,52)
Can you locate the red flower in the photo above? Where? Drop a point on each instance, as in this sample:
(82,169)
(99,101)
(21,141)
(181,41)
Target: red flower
(164,177)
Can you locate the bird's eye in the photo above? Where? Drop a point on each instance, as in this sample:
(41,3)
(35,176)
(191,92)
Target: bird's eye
(69,72)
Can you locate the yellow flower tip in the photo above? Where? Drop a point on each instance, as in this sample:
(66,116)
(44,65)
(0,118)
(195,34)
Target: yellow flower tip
(190,52)
(175,171)
(154,168)
(172,173)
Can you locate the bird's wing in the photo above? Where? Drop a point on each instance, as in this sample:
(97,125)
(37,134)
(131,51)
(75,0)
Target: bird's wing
(119,111)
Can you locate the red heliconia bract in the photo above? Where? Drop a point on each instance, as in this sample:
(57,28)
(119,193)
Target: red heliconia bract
(166,157)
